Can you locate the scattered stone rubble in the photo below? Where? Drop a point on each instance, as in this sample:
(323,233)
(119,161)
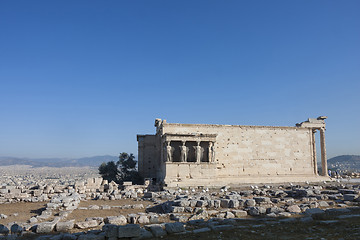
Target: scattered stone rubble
(177,211)
(93,188)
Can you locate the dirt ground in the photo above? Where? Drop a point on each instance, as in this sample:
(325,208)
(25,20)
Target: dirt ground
(24,210)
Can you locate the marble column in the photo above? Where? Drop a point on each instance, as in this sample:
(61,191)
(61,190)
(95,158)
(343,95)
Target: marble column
(314,152)
(323,152)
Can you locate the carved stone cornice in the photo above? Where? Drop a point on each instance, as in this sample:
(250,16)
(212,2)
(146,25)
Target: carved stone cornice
(196,137)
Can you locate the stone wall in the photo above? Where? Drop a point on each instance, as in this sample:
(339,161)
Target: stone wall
(210,155)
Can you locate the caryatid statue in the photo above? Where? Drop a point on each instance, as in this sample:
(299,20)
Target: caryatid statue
(198,151)
(211,152)
(183,155)
(168,152)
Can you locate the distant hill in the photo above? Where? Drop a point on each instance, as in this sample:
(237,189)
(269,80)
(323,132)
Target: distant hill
(58,162)
(345,163)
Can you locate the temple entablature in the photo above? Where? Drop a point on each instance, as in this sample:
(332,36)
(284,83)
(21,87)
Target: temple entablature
(315,123)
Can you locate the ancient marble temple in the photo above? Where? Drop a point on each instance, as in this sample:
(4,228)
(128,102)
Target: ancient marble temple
(182,155)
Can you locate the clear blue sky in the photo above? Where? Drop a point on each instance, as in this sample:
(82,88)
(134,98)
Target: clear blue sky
(82,78)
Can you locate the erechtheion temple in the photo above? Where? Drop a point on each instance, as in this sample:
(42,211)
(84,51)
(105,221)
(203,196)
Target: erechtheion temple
(182,155)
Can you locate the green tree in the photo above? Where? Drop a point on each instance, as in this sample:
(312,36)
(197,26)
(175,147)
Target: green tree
(123,170)
(109,171)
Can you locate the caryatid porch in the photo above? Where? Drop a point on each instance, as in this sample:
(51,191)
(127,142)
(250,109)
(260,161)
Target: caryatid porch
(188,148)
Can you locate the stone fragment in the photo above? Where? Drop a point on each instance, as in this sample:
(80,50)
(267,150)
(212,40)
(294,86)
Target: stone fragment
(294,209)
(98,219)
(350,197)
(174,227)
(154,219)
(138,206)
(111,231)
(64,226)
(229,215)
(284,214)
(323,204)
(3,229)
(224,227)
(117,220)
(93,207)
(250,203)
(239,213)
(233,203)
(156,229)
(224,203)
(16,229)
(129,231)
(91,236)
(262,200)
(273,215)
(337,211)
(256,211)
(183,203)
(86,224)
(253,211)
(145,234)
(304,193)
(68,236)
(306,219)
(275,210)
(201,230)
(312,211)
(178,209)
(143,219)
(150,195)
(45,227)
(33,220)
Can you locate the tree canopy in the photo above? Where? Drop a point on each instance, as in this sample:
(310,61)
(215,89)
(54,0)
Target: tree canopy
(123,170)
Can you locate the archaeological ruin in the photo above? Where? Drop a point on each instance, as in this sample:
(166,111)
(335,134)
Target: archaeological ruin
(184,155)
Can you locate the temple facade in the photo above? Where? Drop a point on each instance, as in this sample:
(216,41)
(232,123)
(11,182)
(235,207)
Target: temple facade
(184,155)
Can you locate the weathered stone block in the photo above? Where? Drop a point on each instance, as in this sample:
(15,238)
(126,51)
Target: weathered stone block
(262,200)
(91,236)
(239,213)
(111,231)
(129,231)
(174,227)
(16,229)
(4,229)
(350,197)
(117,220)
(45,227)
(64,226)
(224,203)
(294,209)
(143,219)
(233,203)
(250,203)
(86,224)
(314,211)
(178,209)
(156,229)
